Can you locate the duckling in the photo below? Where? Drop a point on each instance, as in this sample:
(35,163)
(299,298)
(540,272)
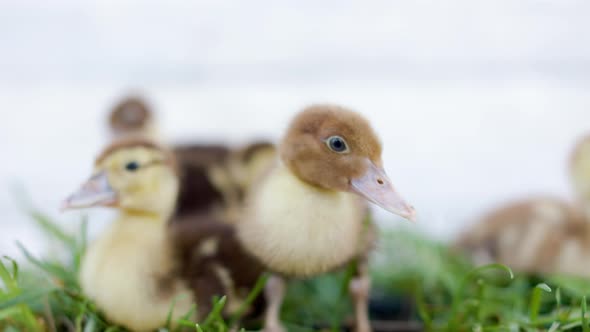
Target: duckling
(214,177)
(580,175)
(308,214)
(543,235)
(132,117)
(143,262)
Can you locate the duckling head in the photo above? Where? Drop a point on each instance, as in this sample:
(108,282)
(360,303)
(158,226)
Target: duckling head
(135,176)
(337,149)
(132,117)
(580,172)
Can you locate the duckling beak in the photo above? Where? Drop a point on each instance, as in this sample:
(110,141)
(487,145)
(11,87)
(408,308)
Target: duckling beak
(96,191)
(376,187)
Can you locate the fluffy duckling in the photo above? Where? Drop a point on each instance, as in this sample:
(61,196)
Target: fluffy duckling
(580,175)
(214,177)
(541,235)
(308,214)
(141,264)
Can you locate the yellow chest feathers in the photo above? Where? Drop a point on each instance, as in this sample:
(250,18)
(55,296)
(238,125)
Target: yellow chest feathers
(126,273)
(300,230)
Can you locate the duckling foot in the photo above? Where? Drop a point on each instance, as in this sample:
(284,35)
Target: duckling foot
(359,289)
(274,328)
(274,291)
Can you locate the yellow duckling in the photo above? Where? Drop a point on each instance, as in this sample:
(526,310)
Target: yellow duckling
(308,214)
(541,235)
(141,264)
(580,175)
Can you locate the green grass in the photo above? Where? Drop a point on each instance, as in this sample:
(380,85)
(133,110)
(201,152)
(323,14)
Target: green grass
(452,295)
(444,290)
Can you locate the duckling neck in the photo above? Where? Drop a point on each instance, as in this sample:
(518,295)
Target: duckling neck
(147,216)
(301,230)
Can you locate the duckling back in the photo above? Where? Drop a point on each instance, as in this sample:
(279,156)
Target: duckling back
(216,179)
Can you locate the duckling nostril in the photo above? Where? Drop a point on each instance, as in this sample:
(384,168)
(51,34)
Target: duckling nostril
(380,181)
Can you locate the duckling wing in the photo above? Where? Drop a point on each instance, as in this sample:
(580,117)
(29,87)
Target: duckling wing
(213,262)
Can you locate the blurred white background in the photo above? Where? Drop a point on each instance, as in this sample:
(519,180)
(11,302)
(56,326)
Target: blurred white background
(477,102)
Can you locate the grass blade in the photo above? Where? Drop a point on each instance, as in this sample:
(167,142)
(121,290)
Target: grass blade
(535,303)
(585,327)
(254,293)
(215,313)
(171,310)
(53,229)
(90,325)
(9,280)
(14,267)
(25,297)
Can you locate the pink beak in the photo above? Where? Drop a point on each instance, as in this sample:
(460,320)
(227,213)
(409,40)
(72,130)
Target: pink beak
(95,192)
(376,187)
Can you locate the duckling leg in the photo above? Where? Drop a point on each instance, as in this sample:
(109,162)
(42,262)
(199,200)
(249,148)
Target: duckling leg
(359,289)
(274,292)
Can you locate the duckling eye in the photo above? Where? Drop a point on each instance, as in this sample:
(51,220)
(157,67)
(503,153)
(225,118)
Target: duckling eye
(337,144)
(132,166)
